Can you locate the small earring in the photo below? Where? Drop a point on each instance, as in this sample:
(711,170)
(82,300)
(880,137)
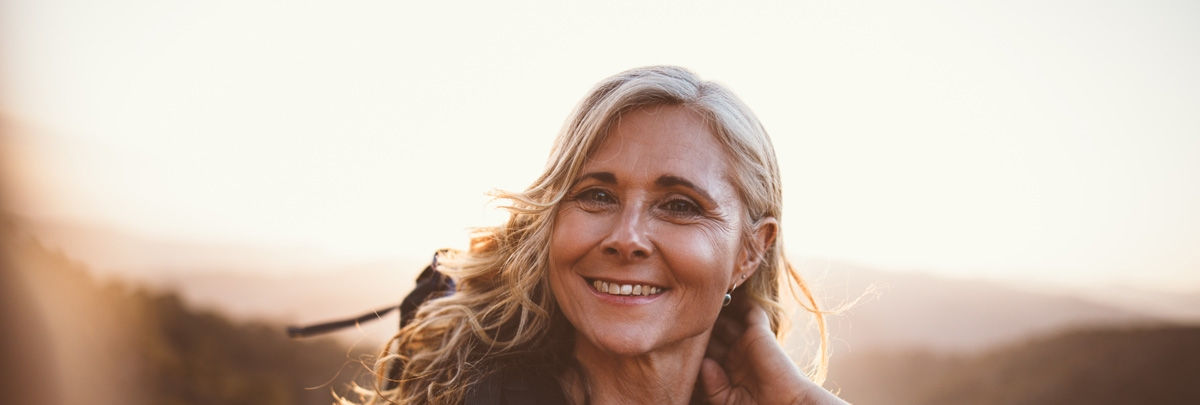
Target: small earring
(727,299)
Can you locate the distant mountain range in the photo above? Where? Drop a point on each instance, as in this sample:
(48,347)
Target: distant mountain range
(1095,366)
(921,311)
(245,283)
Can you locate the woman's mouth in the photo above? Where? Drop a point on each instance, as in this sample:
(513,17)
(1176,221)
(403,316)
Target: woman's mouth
(615,288)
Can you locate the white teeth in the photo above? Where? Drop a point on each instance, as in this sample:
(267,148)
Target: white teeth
(625,289)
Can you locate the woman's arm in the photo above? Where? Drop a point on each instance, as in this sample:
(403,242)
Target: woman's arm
(745,364)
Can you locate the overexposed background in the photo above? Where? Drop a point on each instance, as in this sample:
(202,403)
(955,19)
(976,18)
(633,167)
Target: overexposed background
(1054,142)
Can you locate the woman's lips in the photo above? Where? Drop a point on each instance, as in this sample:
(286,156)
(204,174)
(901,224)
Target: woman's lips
(624,288)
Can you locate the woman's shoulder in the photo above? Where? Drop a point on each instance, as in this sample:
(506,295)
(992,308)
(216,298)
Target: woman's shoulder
(514,386)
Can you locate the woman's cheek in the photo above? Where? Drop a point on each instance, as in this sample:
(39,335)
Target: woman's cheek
(699,257)
(576,231)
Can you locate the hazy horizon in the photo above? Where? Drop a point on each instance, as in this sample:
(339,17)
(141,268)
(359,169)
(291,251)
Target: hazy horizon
(226,277)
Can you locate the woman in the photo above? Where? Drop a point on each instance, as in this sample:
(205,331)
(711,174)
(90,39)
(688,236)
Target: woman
(643,266)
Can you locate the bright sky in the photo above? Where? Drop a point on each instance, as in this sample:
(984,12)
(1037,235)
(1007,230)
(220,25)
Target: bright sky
(1053,141)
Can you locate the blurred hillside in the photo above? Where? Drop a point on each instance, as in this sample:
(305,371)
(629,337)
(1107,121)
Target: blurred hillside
(927,312)
(1154,365)
(294,285)
(114,343)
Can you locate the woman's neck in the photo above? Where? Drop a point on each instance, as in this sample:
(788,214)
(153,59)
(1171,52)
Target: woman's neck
(665,376)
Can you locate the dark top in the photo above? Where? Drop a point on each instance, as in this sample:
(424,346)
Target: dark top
(517,387)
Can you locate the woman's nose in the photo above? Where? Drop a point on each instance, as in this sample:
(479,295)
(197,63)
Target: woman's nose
(628,239)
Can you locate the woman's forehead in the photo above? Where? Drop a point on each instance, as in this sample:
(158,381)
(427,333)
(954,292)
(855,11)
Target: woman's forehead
(646,144)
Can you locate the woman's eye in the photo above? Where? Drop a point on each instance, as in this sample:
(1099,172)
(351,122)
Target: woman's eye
(681,208)
(595,198)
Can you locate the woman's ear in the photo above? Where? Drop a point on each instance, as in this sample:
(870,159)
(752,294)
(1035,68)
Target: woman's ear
(753,251)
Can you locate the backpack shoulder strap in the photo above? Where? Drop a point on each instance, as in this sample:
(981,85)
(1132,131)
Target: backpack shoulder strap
(430,284)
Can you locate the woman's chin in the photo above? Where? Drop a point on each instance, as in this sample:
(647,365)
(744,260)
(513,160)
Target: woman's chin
(622,344)
(631,343)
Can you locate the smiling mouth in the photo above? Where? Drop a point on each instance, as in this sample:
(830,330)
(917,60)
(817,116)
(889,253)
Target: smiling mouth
(614,288)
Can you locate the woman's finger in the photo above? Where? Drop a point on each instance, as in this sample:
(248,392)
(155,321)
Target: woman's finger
(756,317)
(717,388)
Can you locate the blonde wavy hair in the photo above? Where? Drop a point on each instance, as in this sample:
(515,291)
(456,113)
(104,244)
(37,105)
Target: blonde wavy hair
(503,313)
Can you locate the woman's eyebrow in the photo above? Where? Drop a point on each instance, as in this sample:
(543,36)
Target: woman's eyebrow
(671,181)
(603,177)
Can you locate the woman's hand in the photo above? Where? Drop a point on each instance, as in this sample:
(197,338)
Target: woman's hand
(745,364)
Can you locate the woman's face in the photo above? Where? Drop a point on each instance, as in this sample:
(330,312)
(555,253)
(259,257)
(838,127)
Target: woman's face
(647,242)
